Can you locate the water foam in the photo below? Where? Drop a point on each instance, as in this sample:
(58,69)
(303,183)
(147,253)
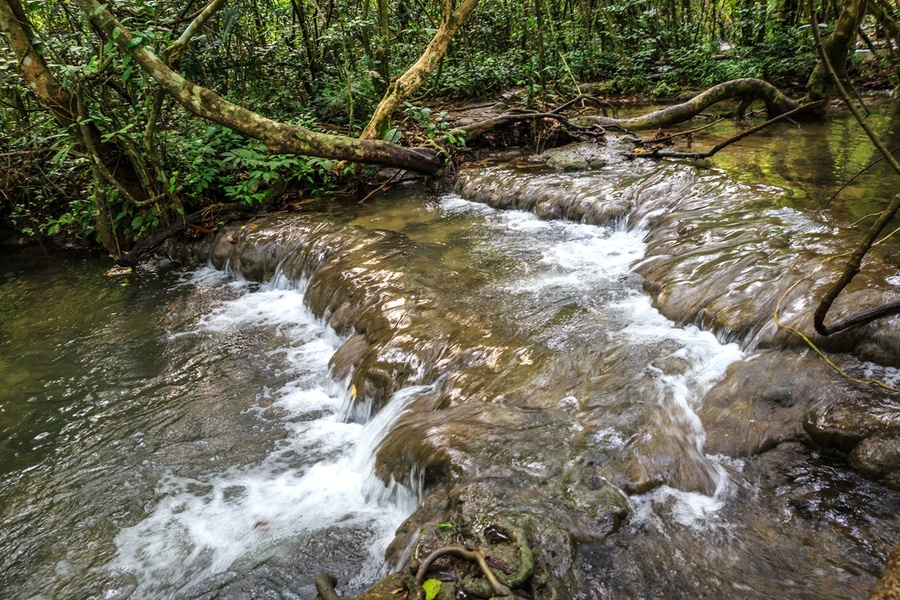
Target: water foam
(319,475)
(591,258)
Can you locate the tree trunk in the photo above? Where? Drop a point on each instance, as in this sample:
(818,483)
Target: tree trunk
(837,46)
(282,138)
(110,162)
(383,52)
(892,29)
(407,84)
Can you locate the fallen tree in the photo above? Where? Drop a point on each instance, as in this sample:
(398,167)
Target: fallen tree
(819,88)
(746,90)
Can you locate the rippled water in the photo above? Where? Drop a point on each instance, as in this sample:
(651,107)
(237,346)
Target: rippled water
(175,426)
(175,433)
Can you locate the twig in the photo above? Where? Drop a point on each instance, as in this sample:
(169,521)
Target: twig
(781,325)
(683,133)
(574,101)
(383,187)
(852,179)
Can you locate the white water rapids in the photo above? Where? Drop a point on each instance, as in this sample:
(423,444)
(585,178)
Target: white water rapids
(320,474)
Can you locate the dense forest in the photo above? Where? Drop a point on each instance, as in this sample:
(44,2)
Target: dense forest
(125,122)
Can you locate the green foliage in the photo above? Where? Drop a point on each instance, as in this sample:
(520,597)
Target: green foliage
(224,164)
(309,63)
(429,124)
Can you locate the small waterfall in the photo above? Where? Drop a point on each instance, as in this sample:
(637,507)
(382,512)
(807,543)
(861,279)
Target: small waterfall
(320,474)
(177,435)
(674,366)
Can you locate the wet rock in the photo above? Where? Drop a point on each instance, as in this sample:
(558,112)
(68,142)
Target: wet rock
(348,356)
(576,197)
(733,550)
(577,157)
(221,248)
(708,263)
(863,421)
(651,463)
(777,397)
(253,251)
(290,574)
(494,474)
(889,586)
(878,457)
(761,403)
(191,253)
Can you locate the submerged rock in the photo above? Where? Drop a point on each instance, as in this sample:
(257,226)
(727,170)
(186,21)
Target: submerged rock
(577,157)
(525,425)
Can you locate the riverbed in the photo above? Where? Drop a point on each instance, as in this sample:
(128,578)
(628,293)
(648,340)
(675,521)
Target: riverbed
(588,354)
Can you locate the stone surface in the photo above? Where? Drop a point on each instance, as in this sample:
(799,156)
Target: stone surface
(889,586)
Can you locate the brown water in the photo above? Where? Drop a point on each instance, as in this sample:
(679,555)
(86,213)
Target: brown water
(174,434)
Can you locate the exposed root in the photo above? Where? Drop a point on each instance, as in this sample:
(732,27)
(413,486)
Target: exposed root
(476,556)
(499,585)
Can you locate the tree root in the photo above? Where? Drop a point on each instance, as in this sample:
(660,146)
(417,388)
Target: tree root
(472,555)
(491,584)
(494,584)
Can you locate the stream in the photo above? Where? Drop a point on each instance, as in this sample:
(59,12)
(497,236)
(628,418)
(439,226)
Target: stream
(586,353)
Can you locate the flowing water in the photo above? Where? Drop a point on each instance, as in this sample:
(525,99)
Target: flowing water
(189,433)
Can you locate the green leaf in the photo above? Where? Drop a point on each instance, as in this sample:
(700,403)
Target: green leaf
(136,222)
(116,33)
(135,41)
(431,587)
(59,156)
(392,135)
